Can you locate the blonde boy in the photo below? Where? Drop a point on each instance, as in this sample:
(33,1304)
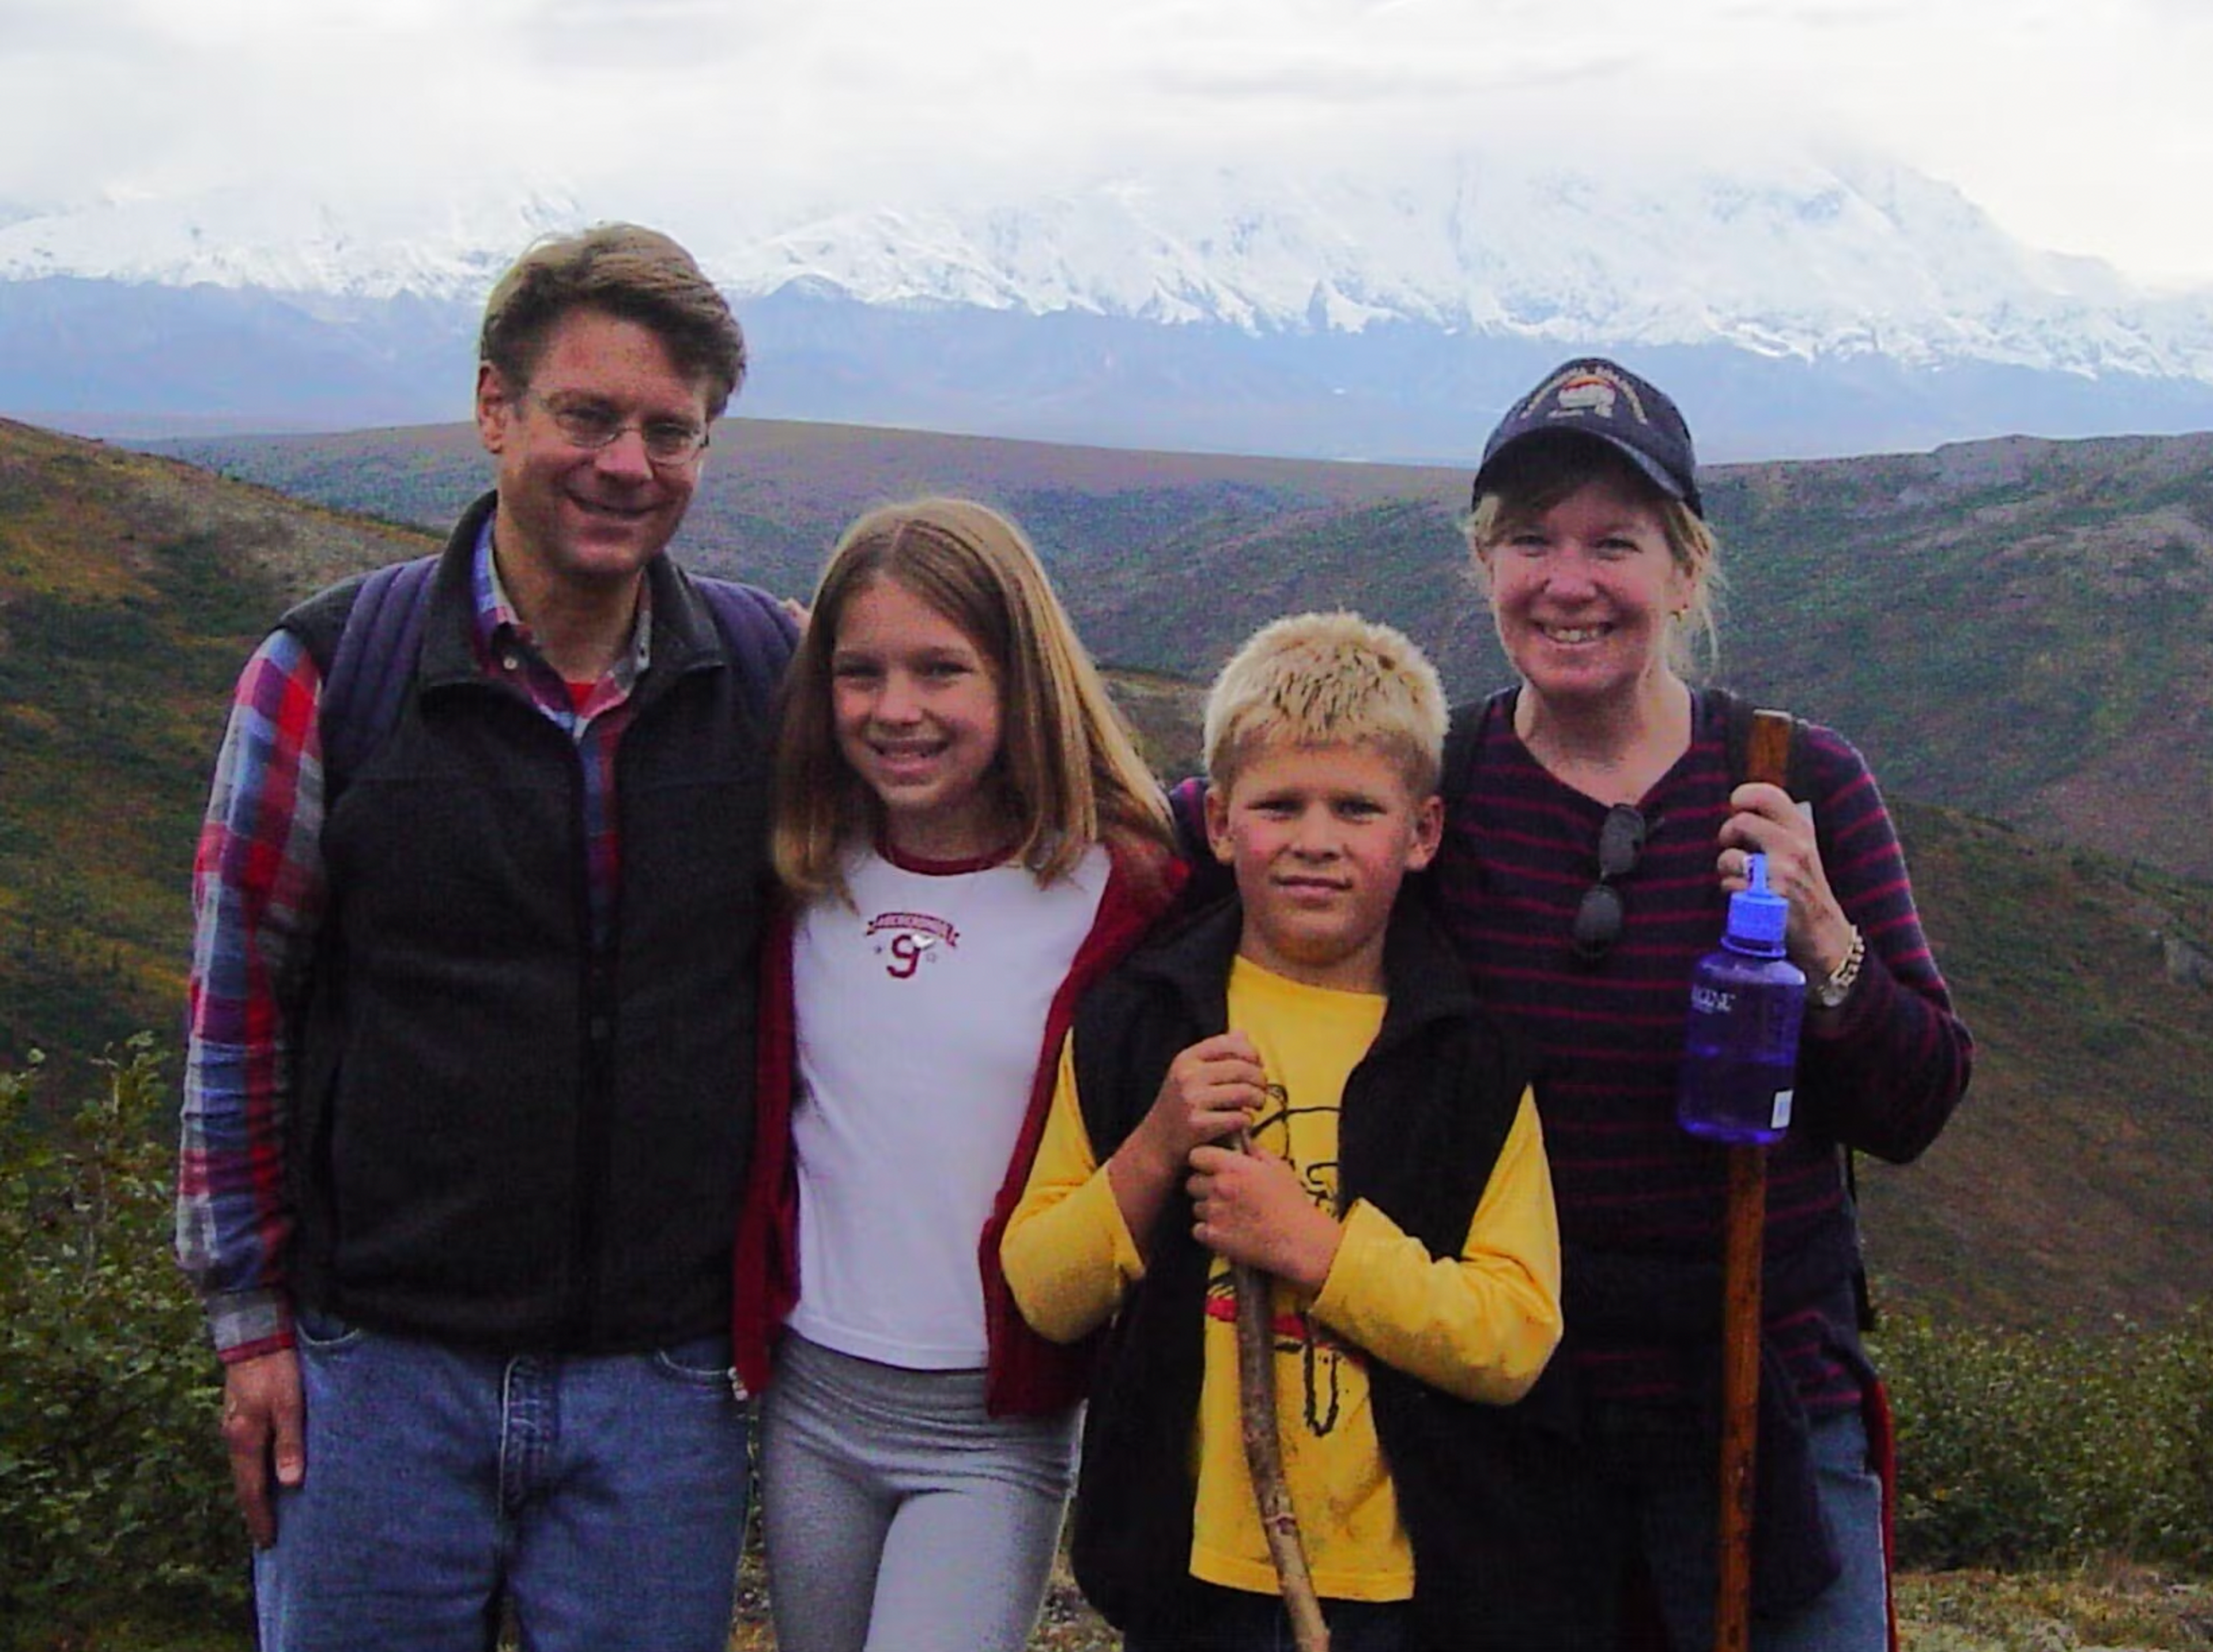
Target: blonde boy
(1399,1196)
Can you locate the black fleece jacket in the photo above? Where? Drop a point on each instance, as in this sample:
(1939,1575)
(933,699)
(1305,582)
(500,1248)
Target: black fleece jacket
(1490,1516)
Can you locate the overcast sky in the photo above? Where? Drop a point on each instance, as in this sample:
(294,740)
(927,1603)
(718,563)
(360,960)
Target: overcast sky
(2082,125)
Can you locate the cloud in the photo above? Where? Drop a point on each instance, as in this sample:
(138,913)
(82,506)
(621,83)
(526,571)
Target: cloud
(679,38)
(2080,123)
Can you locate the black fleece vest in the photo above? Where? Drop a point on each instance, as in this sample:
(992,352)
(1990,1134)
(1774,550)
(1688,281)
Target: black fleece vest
(1481,1489)
(505,1135)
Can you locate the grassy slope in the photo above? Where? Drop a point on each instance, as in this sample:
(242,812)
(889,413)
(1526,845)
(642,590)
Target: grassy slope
(131,589)
(2074,1179)
(2073,1184)
(2016,627)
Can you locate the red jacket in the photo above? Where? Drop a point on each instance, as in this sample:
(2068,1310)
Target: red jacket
(1026,1374)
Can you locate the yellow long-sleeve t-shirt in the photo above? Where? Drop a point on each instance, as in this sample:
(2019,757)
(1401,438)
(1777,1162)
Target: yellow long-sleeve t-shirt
(1479,1326)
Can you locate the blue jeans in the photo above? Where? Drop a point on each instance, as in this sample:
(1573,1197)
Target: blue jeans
(1235,1620)
(602,1497)
(1675,1519)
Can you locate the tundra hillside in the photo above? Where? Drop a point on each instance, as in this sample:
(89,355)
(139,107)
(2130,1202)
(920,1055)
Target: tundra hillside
(2072,1191)
(2015,627)
(132,586)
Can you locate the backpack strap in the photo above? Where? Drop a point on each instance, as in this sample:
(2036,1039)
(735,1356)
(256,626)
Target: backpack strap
(1458,773)
(1740,715)
(757,637)
(366,634)
(363,637)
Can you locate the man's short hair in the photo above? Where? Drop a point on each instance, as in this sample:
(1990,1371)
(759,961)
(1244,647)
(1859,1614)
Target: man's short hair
(1328,680)
(630,272)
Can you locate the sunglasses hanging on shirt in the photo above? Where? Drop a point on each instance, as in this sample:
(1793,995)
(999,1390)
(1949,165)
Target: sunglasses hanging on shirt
(1599,916)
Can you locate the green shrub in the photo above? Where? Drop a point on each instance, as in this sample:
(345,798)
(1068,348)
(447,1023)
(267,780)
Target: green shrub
(114,1494)
(2019,1449)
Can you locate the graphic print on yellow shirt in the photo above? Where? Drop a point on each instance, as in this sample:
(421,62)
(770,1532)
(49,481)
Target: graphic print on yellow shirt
(1309,1039)
(1283,1129)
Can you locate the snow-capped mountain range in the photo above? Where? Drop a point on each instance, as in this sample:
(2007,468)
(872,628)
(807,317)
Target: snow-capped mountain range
(1326,313)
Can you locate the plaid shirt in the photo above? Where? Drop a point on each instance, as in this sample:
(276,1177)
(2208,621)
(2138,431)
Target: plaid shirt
(259,896)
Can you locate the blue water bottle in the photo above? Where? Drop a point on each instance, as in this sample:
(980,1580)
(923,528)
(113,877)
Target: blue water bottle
(1740,1049)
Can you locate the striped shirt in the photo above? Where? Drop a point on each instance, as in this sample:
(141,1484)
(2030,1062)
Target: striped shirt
(1519,852)
(259,897)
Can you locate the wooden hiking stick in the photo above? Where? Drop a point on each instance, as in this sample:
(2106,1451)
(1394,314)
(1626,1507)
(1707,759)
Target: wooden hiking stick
(1263,1447)
(1744,1234)
(1741,1262)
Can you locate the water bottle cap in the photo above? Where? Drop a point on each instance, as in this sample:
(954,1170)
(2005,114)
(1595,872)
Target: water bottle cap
(1756,917)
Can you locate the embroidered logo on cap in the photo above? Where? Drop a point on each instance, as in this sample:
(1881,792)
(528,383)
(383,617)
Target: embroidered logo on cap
(1586,393)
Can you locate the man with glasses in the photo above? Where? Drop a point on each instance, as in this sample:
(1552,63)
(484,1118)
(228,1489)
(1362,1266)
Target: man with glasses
(468,1089)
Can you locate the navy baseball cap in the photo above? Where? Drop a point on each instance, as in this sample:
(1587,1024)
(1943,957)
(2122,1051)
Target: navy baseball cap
(1596,398)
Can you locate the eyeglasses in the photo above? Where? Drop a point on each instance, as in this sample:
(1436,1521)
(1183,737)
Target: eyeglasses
(1599,919)
(668,442)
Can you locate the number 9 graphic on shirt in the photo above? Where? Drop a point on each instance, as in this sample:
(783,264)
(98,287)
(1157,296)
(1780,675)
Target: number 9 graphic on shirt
(907,950)
(904,940)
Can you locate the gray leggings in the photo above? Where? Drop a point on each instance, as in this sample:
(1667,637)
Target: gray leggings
(899,1517)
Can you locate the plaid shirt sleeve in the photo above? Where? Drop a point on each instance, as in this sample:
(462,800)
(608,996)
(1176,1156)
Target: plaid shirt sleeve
(257,901)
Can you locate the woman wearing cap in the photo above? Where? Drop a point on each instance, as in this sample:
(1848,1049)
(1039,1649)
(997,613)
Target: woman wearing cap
(1592,836)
